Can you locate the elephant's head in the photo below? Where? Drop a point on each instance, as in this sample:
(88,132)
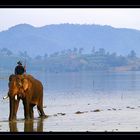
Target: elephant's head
(18,85)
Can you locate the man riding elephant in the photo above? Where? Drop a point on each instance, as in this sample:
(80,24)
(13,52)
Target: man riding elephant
(26,88)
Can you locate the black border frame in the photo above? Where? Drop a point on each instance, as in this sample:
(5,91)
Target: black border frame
(69,4)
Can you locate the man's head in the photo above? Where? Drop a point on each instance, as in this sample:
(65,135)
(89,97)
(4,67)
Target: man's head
(19,63)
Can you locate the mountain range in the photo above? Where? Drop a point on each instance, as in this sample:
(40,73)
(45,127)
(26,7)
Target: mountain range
(57,37)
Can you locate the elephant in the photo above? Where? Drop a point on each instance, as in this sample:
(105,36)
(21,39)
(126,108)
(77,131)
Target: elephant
(30,91)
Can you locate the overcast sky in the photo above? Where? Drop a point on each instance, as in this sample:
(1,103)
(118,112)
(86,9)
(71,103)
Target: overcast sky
(116,17)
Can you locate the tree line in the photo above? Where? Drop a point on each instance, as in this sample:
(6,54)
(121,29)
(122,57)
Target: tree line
(72,60)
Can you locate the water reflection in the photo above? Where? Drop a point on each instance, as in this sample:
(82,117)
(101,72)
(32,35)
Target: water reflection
(13,127)
(29,126)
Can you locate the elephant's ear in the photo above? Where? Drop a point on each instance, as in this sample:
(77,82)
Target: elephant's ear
(10,77)
(25,84)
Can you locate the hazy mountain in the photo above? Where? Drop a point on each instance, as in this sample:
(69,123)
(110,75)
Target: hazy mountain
(52,38)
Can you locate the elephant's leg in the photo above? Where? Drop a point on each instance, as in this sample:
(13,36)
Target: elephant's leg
(41,111)
(31,111)
(13,109)
(16,104)
(26,109)
(11,106)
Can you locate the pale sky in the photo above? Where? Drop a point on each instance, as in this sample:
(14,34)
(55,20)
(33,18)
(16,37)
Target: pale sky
(116,17)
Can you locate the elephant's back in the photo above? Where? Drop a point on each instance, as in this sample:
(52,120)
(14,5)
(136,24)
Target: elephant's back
(33,80)
(36,84)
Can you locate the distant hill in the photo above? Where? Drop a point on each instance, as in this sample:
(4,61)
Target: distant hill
(51,38)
